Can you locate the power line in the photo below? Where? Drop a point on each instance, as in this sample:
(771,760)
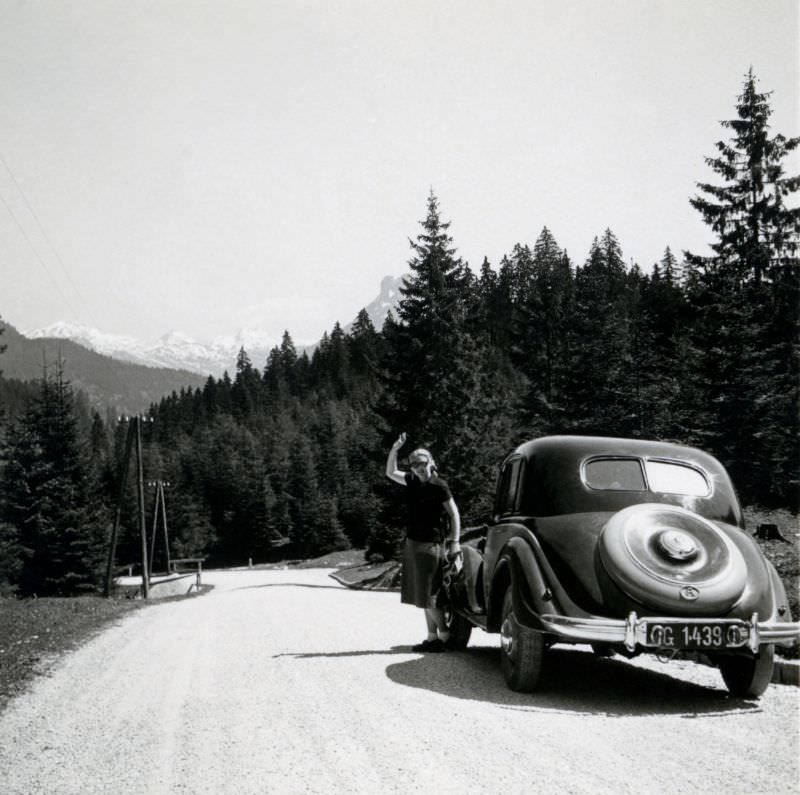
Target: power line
(38,256)
(49,243)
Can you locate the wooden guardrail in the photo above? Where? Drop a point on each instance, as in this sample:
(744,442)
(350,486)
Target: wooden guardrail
(196,562)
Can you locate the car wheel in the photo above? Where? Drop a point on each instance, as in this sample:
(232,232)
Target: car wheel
(521,650)
(460,629)
(748,677)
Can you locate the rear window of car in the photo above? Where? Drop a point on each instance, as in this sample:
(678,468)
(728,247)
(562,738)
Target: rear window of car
(671,478)
(615,474)
(631,474)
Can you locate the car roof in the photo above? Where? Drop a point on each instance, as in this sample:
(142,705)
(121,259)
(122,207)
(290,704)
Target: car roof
(580,447)
(555,463)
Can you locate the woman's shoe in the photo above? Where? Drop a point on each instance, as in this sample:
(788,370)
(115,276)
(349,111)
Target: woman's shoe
(434,646)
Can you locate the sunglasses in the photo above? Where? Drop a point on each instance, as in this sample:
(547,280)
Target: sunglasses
(418,464)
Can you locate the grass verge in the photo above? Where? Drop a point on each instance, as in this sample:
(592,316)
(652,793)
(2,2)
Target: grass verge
(34,632)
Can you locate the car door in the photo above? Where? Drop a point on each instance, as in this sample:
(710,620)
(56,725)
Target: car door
(506,514)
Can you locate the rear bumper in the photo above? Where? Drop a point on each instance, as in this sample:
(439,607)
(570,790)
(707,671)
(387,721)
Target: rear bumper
(632,632)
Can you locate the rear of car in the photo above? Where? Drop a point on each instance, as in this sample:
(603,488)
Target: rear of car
(641,547)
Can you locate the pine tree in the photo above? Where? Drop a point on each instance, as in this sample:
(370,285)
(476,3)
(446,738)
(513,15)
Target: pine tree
(745,299)
(757,233)
(11,559)
(190,529)
(281,436)
(304,496)
(279,373)
(598,341)
(246,392)
(664,386)
(365,346)
(339,363)
(52,496)
(543,306)
(433,360)
(328,535)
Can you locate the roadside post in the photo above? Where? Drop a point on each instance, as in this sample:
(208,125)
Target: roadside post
(142,523)
(134,435)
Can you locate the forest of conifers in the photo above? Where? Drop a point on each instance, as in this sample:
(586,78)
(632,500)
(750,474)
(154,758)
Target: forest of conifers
(286,457)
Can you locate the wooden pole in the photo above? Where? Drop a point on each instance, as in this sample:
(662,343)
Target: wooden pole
(155,529)
(142,521)
(164,514)
(123,479)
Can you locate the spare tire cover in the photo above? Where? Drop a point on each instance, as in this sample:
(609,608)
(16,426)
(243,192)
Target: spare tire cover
(672,559)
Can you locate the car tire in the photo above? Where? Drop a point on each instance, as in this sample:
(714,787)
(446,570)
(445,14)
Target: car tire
(748,677)
(703,574)
(521,650)
(460,629)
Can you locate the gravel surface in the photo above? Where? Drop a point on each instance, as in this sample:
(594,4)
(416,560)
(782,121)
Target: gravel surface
(282,681)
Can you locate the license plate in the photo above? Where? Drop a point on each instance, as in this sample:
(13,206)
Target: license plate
(697,636)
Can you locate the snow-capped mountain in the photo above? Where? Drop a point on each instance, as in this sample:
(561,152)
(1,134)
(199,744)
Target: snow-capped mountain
(174,350)
(179,351)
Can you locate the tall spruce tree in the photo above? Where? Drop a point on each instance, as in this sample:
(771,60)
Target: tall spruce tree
(745,297)
(757,233)
(433,359)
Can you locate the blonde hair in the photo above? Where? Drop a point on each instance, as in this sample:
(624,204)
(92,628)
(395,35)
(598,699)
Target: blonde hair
(421,454)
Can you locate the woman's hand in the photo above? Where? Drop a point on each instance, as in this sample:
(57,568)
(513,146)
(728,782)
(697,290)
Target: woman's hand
(399,442)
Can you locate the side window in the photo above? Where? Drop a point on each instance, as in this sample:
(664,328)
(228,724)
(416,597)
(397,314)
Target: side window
(508,493)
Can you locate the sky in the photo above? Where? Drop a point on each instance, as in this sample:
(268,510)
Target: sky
(206,167)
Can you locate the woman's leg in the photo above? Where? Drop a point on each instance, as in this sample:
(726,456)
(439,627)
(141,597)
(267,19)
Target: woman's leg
(434,616)
(432,625)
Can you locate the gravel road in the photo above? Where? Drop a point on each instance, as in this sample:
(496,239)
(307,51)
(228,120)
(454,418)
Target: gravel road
(282,681)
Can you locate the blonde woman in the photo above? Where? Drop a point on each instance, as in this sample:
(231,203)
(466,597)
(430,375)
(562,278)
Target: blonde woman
(428,497)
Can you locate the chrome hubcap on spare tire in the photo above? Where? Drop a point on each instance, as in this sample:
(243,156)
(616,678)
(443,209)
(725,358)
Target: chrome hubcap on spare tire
(677,545)
(670,558)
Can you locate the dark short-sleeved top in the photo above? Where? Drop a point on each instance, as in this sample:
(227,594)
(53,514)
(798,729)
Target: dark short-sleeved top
(425,502)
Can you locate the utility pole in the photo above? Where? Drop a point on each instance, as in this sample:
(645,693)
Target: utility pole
(123,479)
(134,435)
(159,503)
(142,523)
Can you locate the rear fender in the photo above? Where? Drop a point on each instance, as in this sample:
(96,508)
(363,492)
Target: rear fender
(764,592)
(519,568)
(780,599)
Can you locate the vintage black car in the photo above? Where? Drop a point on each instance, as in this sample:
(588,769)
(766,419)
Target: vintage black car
(630,546)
